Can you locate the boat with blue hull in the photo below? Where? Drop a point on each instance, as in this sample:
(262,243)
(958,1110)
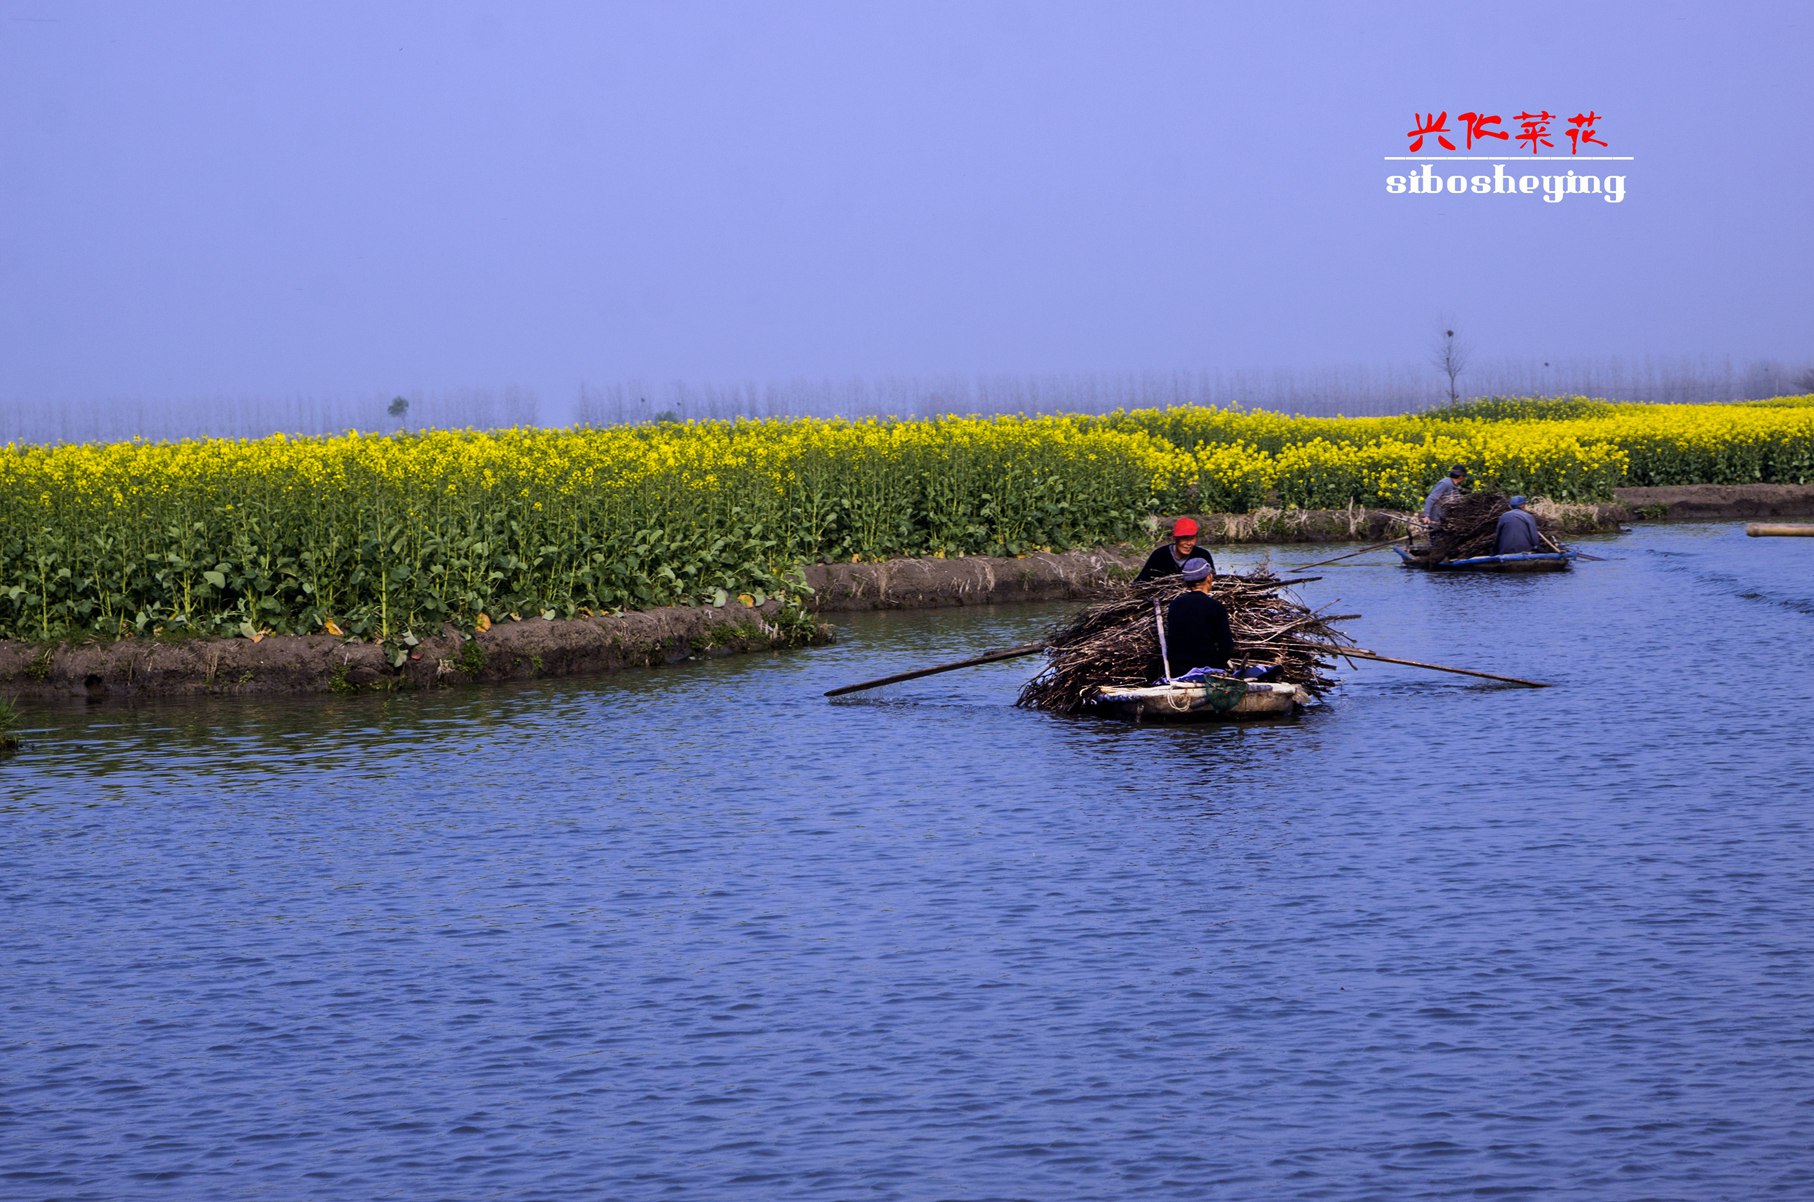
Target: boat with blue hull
(1523,561)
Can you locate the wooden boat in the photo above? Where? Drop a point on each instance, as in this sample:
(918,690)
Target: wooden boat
(1523,561)
(1216,699)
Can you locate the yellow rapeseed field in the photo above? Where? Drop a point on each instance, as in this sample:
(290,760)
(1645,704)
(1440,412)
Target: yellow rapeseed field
(376,535)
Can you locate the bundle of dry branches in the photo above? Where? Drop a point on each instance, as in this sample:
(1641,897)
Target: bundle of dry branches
(1469,523)
(1116,641)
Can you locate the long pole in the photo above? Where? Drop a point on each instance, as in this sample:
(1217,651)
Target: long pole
(1557,548)
(1301,567)
(1165,654)
(991,657)
(1358,653)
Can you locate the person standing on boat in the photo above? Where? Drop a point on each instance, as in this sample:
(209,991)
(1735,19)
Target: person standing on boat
(1447,487)
(1197,633)
(1170,559)
(1516,531)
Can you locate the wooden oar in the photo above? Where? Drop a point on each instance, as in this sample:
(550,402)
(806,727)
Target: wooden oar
(1304,567)
(991,657)
(1358,653)
(1556,547)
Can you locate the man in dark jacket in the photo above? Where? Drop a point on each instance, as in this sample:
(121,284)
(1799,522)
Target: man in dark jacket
(1516,531)
(1447,487)
(1196,624)
(1170,559)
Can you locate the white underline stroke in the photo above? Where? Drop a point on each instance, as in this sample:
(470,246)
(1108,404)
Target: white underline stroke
(1510,158)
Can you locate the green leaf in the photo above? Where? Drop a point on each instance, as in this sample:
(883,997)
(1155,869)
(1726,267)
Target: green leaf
(217,579)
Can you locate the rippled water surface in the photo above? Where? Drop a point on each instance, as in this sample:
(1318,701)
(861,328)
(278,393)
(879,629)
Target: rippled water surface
(699,933)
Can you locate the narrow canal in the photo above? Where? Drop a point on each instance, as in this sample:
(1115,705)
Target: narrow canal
(699,933)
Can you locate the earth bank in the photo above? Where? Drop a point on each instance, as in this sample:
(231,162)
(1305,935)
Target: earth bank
(144,668)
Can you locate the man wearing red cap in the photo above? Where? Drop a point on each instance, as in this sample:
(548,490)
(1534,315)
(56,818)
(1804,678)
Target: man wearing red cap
(1168,560)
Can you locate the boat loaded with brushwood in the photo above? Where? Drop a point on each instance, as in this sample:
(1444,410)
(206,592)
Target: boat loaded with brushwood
(1467,541)
(1108,659)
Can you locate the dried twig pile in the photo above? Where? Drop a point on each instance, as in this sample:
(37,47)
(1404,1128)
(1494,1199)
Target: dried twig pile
(1116,641)
(1468,525)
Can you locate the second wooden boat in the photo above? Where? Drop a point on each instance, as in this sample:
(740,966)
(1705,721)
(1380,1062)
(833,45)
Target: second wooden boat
(1525,561)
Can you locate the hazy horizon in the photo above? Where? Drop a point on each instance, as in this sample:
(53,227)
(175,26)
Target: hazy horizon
(1350,390)
(278,207)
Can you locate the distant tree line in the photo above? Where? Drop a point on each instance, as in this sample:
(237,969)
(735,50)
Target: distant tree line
(114,419)
(1353,390)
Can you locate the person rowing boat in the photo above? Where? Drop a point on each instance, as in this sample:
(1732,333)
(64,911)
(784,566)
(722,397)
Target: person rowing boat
(1197,633)
(1446,491)
(1516,531)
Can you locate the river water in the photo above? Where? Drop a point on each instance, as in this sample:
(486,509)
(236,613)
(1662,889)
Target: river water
(699,933)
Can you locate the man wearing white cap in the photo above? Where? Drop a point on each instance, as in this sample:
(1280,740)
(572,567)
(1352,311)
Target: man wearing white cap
(1516,531)
(1197,634)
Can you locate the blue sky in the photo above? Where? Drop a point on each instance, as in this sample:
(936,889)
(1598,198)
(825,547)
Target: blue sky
(222,198)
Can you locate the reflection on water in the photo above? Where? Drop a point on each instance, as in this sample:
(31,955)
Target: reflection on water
(698,932)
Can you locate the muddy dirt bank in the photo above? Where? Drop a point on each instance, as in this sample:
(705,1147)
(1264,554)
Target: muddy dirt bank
(142,668)
(971,580)
(1358,524)
(1673,503)
(1714,502)
(146,668)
